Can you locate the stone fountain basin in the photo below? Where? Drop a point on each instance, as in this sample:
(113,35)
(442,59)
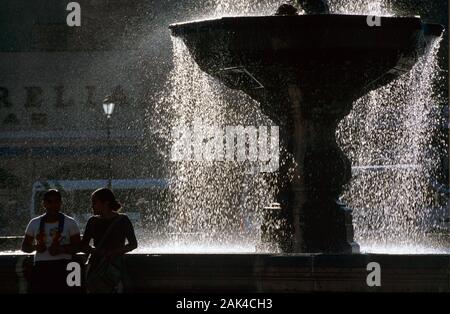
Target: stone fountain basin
(342,52)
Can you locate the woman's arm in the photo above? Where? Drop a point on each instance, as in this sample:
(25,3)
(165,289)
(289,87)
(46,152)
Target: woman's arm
(121,251)
(131,238)
(84,245)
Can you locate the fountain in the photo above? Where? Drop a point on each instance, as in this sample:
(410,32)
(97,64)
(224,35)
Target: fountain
(306,71)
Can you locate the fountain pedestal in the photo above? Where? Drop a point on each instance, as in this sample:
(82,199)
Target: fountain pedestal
(316,170)
(312,174)
(306,71)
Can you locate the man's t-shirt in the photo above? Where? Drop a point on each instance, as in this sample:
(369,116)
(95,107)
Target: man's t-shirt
(51,229)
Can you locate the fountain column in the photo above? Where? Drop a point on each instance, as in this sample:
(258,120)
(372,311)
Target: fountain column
(313,176)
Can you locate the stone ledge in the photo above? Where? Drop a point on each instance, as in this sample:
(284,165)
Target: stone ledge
(262,273)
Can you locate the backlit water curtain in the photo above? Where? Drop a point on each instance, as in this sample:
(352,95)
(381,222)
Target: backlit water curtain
(217,205)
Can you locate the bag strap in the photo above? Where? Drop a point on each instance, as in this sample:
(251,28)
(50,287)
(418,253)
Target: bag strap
(108,231)
(61,220)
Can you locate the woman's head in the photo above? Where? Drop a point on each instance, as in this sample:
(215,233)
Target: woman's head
(104,201)
(52,201)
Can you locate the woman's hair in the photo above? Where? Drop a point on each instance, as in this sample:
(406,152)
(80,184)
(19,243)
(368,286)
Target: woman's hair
(52,193)
(106,195)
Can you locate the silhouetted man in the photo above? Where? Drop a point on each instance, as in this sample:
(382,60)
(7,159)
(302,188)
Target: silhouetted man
(55,238)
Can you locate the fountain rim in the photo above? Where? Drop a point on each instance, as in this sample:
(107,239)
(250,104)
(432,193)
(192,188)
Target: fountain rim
(317,20)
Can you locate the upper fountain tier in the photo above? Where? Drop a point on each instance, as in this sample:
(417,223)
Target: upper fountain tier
(336,57)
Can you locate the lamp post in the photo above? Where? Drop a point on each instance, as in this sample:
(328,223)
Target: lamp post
(108,108)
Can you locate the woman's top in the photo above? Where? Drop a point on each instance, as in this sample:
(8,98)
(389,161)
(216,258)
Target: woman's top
(96,228)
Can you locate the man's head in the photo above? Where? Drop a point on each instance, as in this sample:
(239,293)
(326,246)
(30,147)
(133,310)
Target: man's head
(52,201)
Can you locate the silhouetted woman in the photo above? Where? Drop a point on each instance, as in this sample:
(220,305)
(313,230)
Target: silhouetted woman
(113,236)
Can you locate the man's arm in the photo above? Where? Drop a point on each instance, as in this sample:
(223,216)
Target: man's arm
(71,248)
(27,244)
(74,244)
(74,238)
(29,247)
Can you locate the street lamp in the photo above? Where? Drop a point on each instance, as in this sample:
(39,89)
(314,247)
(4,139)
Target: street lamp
(108,108)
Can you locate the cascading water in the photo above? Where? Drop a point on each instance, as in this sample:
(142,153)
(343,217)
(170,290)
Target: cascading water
(268,7)
(217,205)
(389,138)
(375,7)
